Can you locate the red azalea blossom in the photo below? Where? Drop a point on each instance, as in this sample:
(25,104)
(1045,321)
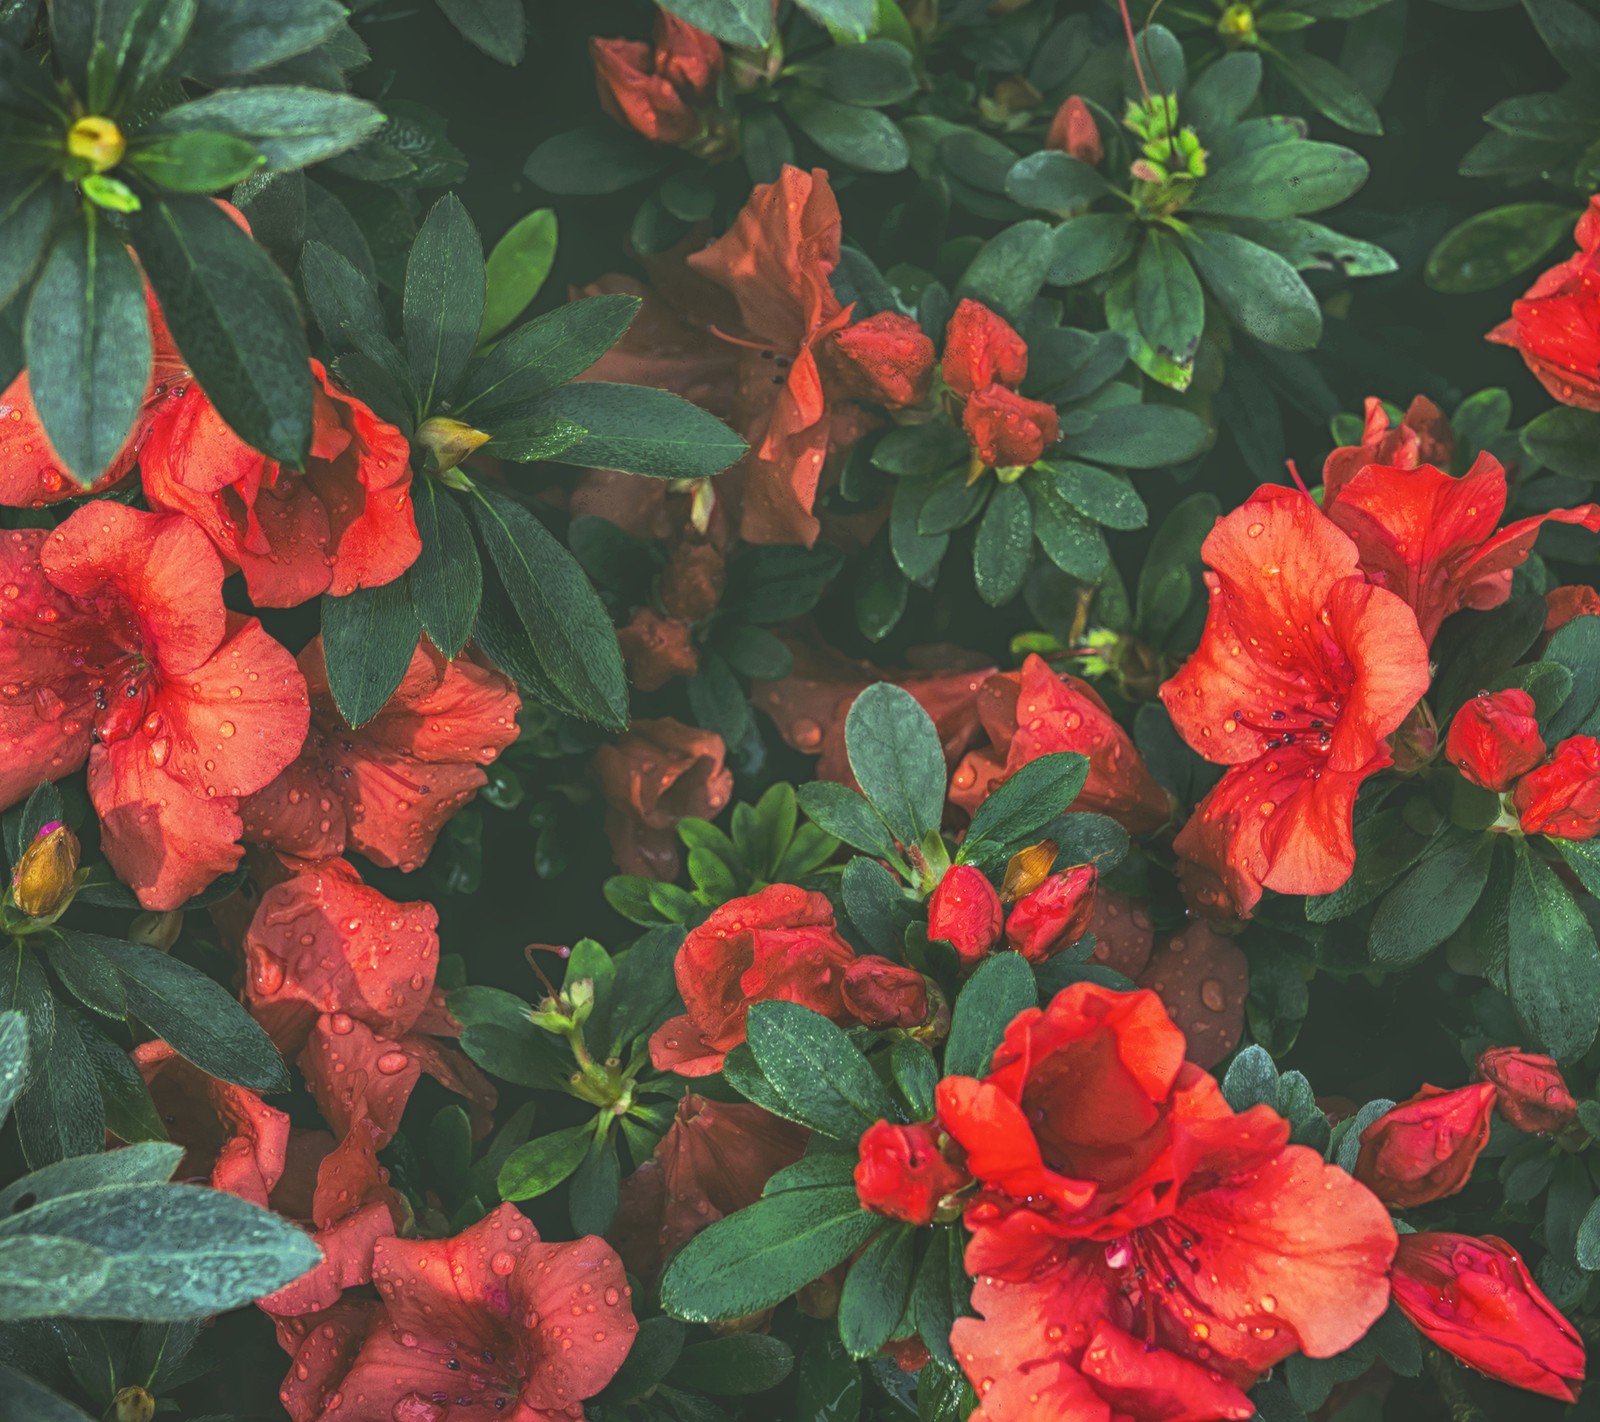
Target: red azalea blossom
(118,650)
(387,788)
(1556,325)
(1139,1249)
(715,1159)
(657,774)
(1494,738)
(981,349)
(1202,980)
(494,1321)
(883,994)
(1053,916)
(984,361)
(657,649)
(1008,430)
(1562,796)
(964,911)
(1432,538)
(1565,603)
(1073,130)
(1424,436)
(1424,1149)
(1123,933)
(1034,712)
(1530,1091)
(1302,673)
(906,1172)
(1475,1299)
(658,92)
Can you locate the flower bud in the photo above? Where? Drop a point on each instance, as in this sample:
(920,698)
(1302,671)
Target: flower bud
(904,1172)
(1027,869)
(964,911)
(157,930)
(1055,915)
(1008,430)
(981,348)
(447,442)
(885,994)
(1568,601)
(1425,1148)
(1495,738)
(1530,1091)
(1238,24)
(1562,797)
(131,1404)
(1073,130)
(46,875)
(1416,743)
(96,142)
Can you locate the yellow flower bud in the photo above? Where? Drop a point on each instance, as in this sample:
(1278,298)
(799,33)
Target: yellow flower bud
(1238,23)
(97,142)
(1027,869)
(448,442)
(132,1404)
(46,875)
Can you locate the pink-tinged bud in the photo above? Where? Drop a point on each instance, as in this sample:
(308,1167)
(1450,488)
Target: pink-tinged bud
(905,1173)
(1530,1091)
(47,874)
(1424,1149)
(1055,915)
(1073,130)
(885,994)
(965,912)
(1495,738)
(1562,797)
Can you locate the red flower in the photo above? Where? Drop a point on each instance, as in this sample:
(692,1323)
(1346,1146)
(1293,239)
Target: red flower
(1530,1091)
(1303,671)
(1494,738)
(714,1159)
(882,993)
(982,349)
(116,648)
(232,1140)
(1562,796)
(387,788)
(1556,324)
(1567,602)
(1034,712)
(493,1321)
(1007,429)
(1431,538)
(906,1173)
(343,523)
(1139,1249)
(1424,1149)
(1202,980)
(654,776)
(657,649)
(1073,130)
(1424,436)
(1475,1299)
(965,911)
(658,93)
(1053,916)
(885,359)
(780,945)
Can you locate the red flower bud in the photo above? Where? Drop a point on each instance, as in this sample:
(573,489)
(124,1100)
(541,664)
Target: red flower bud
(981,348)
(885,359)
(1477,1301)
(692,581)
(885,994)
(1425,1148)
(904,1172)
(1572,600)
(1007,429)
(1562,797)
(964,911)
(1054,916)
(1529,1090)
(1073,130)
(658,93)
(657,649)
(1495,738)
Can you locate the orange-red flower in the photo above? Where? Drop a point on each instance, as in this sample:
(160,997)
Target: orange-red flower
(115,647)
(1530,1090)
(1556,325)
(1475,1299)
(981,348)
(1073,130)
(1053,916)
(1140,1250)
(1034,712)
(1302,673)
(906,1172)
(387,788)
(652,777)
(344,522)
(882,993)
(1008,430)
(658,92)
(1424,1149)
(1562,796)
(1567,602)
(964,911)
(657,649)
(1424,436)
(984,362)
(1202,980)
(1494,738)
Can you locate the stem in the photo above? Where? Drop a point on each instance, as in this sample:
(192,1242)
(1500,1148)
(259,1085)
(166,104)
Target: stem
(1133,49)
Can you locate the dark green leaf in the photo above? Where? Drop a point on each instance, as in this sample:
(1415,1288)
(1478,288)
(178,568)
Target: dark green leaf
(1054,181)
(1167,299)
(292,126)
(852,17)
(1069,540)
(30,206)
(444,295)
(1090,246)
(875,73)
(824,1081)
(735,1366)
(1011,267)
(876,1292)
(1566,440)
(368,640)
(897,759)
(498,27)
(740,22)
(13,1058)
(1135,436)
(1553,965)
(1002,987)
(1003,546)
(1258,289)
(1040,790)
(1432,900)
(547,352)
(1331,91)
(446,581)
(1492,247)
(590,161)
(538,1167)
(41,1277)
(242,36)
(862,138)
(1576,647)
(1283,180)
(59,1112)
(640,430)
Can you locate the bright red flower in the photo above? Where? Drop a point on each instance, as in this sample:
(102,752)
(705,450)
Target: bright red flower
(982,348)
(657,649)
(660,772)
(1034,712)
(906,1172)
(1053,916)
(343,523)
(1562,796)
(715,1159)
(117,649)
(1424,1149)
(1530,1090)
(1073,130)
(882,993)
(1494,738)
(387,788)
(1424,436)
(1475,1299)
(494,1322)
(780,945)
(965,911)
(1202,980)
(1556,324)
(322,1349)
(1432,538)
(1140,1250)
(232,1140)
(885,359)
(1007,429)
(661,92)
(1303,671)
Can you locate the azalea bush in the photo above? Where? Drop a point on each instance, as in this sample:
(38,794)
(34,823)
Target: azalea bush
(799,710)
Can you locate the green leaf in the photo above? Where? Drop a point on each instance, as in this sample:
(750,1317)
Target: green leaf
(1002,987)
(1309,246)
(1003,546)
(1566,440)
(1553,965)
(895,754)
(738,22)
(1432,900)
(862,138)
(875,73)
(1109,499)
(1283,180)
(825,1082)
(537,1168)
(735,1366)
(345,304)
(444,297)
(497,27)
(517,270)
(88,347)
(1028,800)
(871,894)
(30,206)
(876,1292)
(1224,90)
(41,1277)
(756,1258)
(446,581)
(854,17)
(1584,857)
(1090,246)
(195,161)
(86,973)
(640,430)
(30,1399)
(1258,289)
(13,1058)
(1054,181)
(291,125)
(1576,647)
(592,1201)
(941,1293)
(1011,267)
(534,359)
(1069,540)
(234,318)
(591,161)
(1571,34)
(1331,91)
(1492,247)
(368,640)
(241,36)
(1134,436)
(1167,300)
(569,632)
(59,1111)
